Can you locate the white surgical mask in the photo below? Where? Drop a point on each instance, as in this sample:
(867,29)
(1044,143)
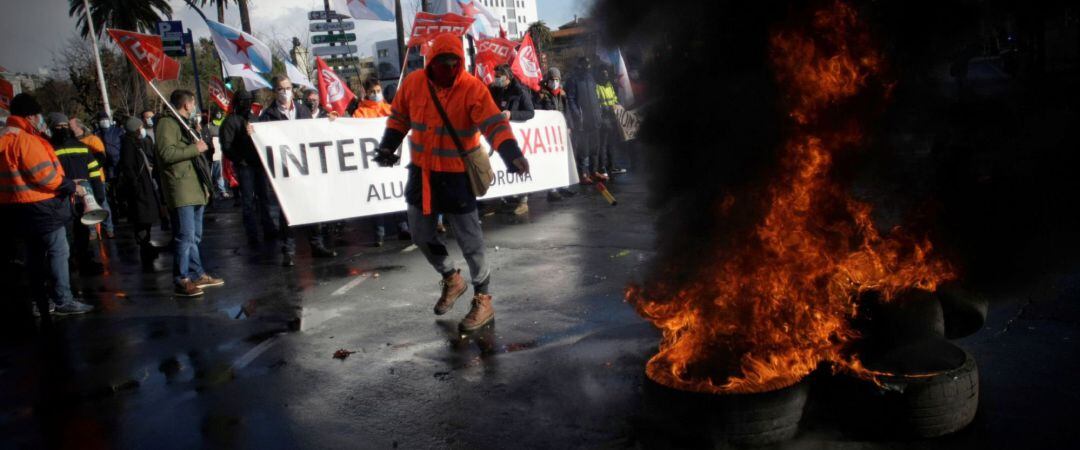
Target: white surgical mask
(554,84)
(150,122)
(502,82)
(283,97)
(376,97)
(105,123)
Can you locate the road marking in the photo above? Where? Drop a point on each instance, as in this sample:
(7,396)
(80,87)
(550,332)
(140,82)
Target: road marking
(250,356)
(348,286)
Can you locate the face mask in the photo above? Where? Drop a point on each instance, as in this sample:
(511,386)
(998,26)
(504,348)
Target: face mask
(312,105)
(194,113)
(150,122)
(105,123)
(284,97)
(376,97)
(60,136)
(444,74)
(554,84)
(501,82)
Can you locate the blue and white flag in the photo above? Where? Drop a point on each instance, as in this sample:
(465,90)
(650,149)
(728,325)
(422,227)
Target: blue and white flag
(252,80)
(371,9)
(238,48)
(613,57)
(295,75)
(487,24)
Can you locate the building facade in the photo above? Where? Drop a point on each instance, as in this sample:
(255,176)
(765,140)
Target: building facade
(516,15)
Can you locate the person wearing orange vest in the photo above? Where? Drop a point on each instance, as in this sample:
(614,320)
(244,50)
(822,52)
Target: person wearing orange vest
(373,105)
(35,200)
(437,182)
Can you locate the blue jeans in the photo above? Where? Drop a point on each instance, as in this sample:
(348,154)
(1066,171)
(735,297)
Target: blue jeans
(219,181)
(187,225)
(48,259)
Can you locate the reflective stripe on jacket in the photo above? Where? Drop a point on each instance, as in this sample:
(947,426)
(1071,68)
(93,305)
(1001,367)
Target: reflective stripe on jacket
(29,171)
(606,93)
(468,105)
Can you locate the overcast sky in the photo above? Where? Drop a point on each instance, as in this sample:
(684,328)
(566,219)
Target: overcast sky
(31,32)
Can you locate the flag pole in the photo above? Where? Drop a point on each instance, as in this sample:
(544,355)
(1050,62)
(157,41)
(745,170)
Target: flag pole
(97,59)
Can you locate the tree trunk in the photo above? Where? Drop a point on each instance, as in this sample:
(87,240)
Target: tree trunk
(221,11)
(245,19)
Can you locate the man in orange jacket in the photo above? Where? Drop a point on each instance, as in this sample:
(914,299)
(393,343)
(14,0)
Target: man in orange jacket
(34,199)
(437,182)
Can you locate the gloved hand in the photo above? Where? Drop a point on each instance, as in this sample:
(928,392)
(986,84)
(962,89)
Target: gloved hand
(386,158)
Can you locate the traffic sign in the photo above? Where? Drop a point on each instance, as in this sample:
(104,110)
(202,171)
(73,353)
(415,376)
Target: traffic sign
(332,26)
(338,50)
(339,62)
(322,15)
(348,72)
(332,38)
(172,37)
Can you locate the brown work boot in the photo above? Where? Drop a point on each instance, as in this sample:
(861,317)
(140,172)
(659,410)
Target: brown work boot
(187,288)
(208,281)
(452,288)
(482,313)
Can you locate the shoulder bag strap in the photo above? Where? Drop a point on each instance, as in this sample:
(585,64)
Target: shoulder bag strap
(446,120)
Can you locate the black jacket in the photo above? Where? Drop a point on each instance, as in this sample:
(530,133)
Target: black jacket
(272,114)
(551,101)
(515,98)
(583,103)
(138,188)
(235,142)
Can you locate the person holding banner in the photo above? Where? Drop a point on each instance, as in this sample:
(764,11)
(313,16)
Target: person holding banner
(285,108)
(255,201)
(186,188)
(515,102)
(447,110)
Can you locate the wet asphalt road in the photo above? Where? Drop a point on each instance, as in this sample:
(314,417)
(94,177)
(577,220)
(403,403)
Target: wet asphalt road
(250,364)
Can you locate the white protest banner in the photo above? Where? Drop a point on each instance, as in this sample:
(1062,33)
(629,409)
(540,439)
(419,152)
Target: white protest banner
(628,122)
(323,171)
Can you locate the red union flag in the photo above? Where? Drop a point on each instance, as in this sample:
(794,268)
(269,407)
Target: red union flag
(219,93)
(334,95)
(7,91)
(485,73)
(145,52)
(494,51)
(428,25)
(527,65)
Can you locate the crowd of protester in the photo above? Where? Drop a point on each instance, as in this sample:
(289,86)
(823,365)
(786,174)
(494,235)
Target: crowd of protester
(164,168)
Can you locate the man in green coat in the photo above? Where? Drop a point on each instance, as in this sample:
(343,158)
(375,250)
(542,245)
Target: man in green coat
(185,186)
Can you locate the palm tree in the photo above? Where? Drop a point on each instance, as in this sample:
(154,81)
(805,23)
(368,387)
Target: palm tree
(245,19)
(541,35)
(131,15)
(221,6)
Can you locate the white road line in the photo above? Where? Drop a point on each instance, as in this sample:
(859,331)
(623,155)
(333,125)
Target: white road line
(250,356)
(348,286)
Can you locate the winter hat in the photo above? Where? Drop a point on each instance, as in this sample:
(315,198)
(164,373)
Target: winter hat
(56,118)
(554,73)
(133,124)
(24,105)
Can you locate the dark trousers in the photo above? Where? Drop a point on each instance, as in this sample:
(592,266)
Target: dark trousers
(318,235)
(47,258)
(255,200)
(587,150)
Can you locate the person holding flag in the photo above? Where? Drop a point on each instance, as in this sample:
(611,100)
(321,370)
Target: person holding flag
(447,110)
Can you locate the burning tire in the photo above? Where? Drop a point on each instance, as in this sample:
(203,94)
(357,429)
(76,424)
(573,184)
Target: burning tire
(919,404)
(734,419)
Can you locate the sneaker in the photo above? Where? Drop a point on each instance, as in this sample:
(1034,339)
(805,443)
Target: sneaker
(187,288)
(554,196)
(618,171)
(322,252)
(452,288)
(601,176)
(482,313)
(521,209)
(208,281)
(586,179)
(71,308)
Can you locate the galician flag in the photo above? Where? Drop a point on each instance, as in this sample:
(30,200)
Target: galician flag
(487,24)
(238,48)
(252,80)
(371,9)
(295,75)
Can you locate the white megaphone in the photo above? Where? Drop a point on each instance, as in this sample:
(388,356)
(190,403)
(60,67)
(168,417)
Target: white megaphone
(92,213)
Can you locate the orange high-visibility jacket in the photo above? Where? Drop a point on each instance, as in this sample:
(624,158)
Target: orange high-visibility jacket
(29,170)
(468,105)
(370,109)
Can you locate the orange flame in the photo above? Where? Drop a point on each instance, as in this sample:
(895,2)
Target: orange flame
(764,316)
